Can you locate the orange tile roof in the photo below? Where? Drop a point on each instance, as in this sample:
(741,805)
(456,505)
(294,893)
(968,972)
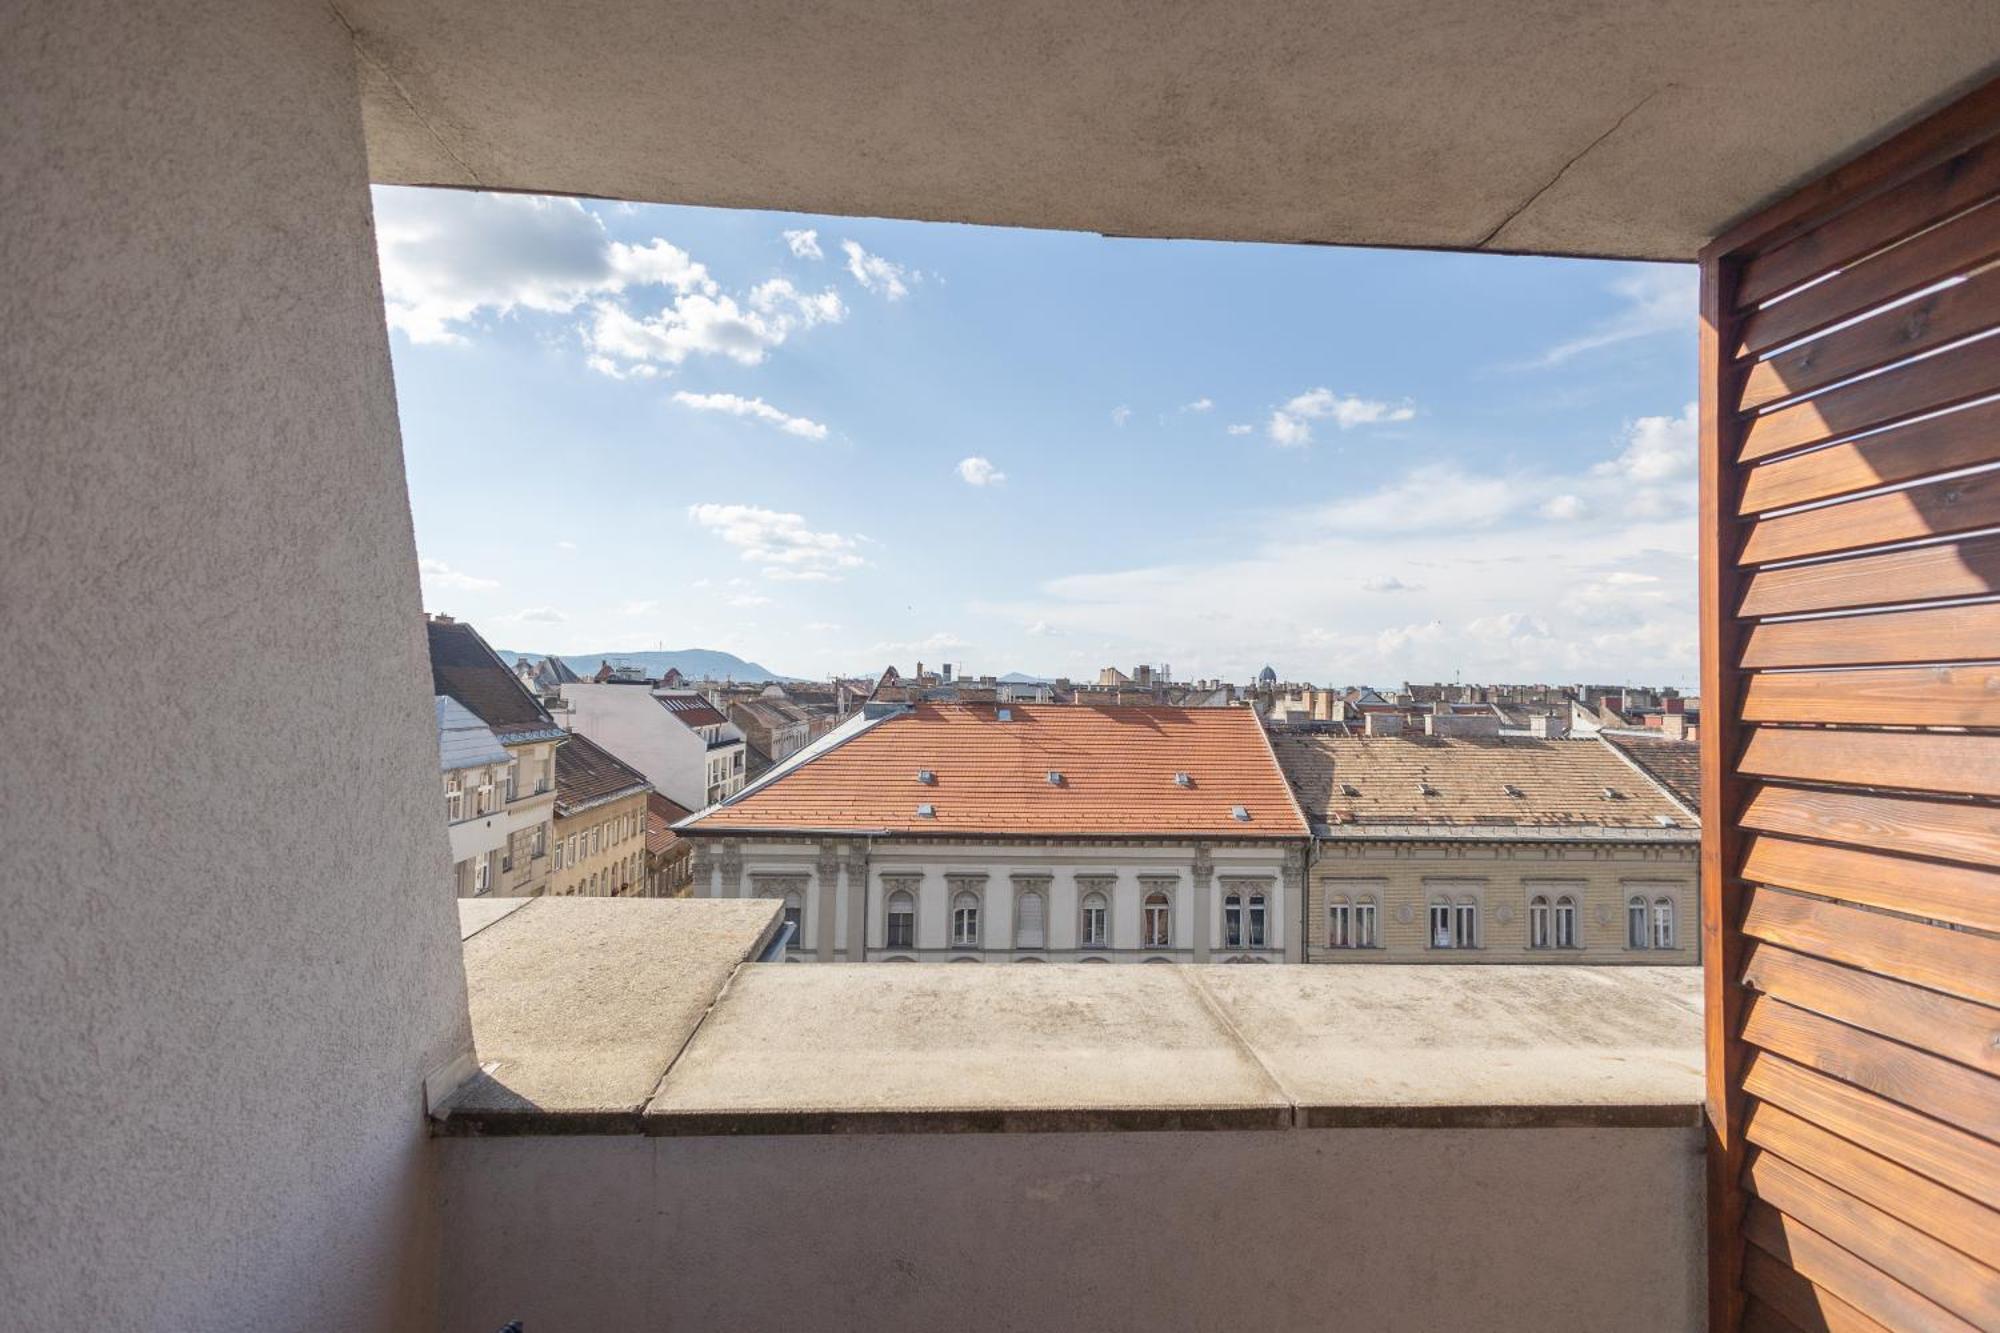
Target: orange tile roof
(991,777)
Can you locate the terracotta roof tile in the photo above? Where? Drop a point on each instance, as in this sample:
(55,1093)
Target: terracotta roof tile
(1383,780)
(1117,767)
(661,816)
(691,709)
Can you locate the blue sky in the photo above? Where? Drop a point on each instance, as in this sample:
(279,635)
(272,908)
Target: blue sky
(828,444)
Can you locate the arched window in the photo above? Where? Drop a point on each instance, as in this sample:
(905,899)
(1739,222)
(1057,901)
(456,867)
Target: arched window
(902,932)
(965,921)
(1364,924)
(1566,922)
(1454,925)
(1257,920)
(795,917)
(1031,922)
(1096,918)
(1232,921)
(1340,924)
(1440,923)
(1466,913)
(1663,923)
(1158,920)
(1635,923)
(1538,922)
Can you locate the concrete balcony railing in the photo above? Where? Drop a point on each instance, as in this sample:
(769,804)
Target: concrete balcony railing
(663,1135)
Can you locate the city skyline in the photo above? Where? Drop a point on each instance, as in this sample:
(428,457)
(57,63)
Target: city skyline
(832,444)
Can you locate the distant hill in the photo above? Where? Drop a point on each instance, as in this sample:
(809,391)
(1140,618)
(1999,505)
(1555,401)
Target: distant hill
(694,663)
(1020,678)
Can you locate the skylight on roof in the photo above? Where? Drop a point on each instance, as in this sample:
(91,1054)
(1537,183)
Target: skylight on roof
(927,777)
(1055,778)
(1513,791)
(926,811)
(1240,814)
(1184,779)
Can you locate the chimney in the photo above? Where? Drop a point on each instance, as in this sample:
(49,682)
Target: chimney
(1674,725)
(1385,724)
(1548,727)
(1461,724)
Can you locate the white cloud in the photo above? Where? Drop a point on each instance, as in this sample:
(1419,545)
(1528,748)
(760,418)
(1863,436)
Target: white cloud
(1657,449)
(822,626)
(1042,629)
(565,546)
(1659,298)
(1291,425)
(1199,405)
(1564,507)
(804,244)
(449,256)
(976,471)
(639,608)
(1241,428)
(1628,579)
(1389,583)
(941,642)
(737,406)
(544,615)
(706,323)
(437,574)
(1120,415)
(749,599)
(1437,496)
(876,274)
(779,543)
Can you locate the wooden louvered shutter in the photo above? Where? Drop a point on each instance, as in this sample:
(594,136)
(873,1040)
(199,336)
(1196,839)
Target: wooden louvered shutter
(1850,737)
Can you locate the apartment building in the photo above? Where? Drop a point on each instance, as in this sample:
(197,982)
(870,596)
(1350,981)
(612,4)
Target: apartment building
(511,801)
(669,856)
(1021,833)
(600,824)
(683,744)
(775,726)
(1490,849)
(469,755)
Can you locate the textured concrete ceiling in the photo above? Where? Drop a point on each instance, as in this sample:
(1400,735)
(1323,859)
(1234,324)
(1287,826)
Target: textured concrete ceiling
(1635,129)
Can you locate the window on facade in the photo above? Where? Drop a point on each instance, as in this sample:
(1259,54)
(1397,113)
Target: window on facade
(965,921)
(1340,924)
(1257,920)
(1454,925)
(1539,935)
(482,873)
(557,863)
(454,798)
(1663,923)
(541,840)
(1096,915)
(513,776)
(1031,922)
(902,921)
(483,798)
(1158,920)
(1566,936)
(795,917)
(1364,924)
(1635,923)
(1232,921)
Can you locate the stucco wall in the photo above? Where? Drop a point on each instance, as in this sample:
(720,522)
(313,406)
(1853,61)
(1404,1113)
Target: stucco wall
(227,952)
(1380,1229)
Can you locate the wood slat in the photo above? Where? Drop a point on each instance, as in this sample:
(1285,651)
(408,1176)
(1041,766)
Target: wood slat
(1848,1277)
(1943,1025)
(1926,323)
(1933,509)
(1953,831)
(1940,634)
(1934,1150)
(1802,1305)
(1930,1207)
(1949,1092)
(1957,246)
(1950,187)
(1953,1280)
(1966,371)
(1922,761)
(1761,1318)
(1924,696)
(1969,568)
(1966,437)
(1962,895)
(1951,961)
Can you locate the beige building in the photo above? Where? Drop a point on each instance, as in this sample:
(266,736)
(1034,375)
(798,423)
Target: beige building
(501,810)
(600,825)
(1491,850)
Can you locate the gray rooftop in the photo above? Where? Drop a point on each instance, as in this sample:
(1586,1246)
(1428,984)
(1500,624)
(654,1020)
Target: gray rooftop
(611,1016)
(463,740)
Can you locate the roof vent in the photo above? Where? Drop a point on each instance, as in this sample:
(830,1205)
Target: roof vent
(1349,789)
(1055,778)
(1667,821)
(1513,791)
(926,811)
(1425,788)
(1004,714)
(1613,794)
(1239,814)
(928,778)
(1184,779)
